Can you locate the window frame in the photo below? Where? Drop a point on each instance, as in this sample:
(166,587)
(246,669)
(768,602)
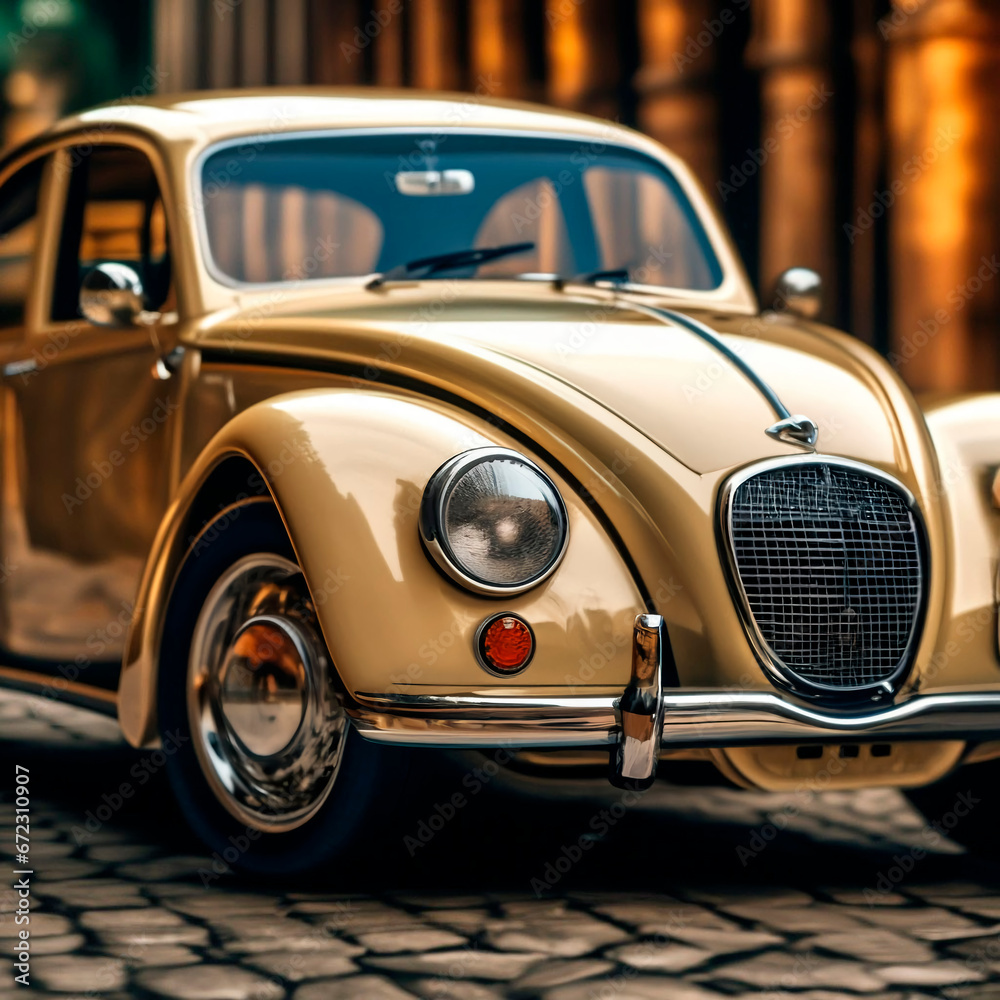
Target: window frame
(21,330)
(69,171)
(732,279)
(80,337)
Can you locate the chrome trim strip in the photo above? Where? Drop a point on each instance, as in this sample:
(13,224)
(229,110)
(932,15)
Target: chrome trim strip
(691,719)
(470,720)
(795,429)
(776,669)
(707,334)
(432,504)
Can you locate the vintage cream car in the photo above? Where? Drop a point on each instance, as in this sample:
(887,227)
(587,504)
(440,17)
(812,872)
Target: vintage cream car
(340,422)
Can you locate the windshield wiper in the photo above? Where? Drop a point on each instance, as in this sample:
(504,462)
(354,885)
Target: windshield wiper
(426,266)
(614,276)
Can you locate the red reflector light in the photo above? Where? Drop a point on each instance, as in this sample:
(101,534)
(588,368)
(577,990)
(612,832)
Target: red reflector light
(505,644)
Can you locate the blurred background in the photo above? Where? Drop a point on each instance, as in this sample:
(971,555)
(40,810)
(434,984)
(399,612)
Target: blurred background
(856,137)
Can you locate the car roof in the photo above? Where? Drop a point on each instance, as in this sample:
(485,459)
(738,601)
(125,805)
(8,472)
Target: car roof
(213,115)
(183,125)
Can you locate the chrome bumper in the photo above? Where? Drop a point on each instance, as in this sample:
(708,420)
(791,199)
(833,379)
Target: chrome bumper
(648,716)
(690,719)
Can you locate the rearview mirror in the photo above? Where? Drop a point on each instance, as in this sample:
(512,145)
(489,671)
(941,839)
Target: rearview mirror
(799,290)
(423,183)
(111,295)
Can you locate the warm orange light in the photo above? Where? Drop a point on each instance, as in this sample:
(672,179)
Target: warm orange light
(506,644)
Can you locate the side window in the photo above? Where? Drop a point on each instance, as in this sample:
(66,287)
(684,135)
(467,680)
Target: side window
(18,232)
(114,212)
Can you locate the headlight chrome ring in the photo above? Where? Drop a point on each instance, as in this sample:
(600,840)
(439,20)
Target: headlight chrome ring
(494,522)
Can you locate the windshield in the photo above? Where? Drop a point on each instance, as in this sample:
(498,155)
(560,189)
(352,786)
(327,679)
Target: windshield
(346,206)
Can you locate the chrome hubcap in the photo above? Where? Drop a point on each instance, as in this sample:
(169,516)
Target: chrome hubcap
(268,727)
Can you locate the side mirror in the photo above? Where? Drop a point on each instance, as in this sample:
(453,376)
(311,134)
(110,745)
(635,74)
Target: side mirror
(111,295)
(799,290)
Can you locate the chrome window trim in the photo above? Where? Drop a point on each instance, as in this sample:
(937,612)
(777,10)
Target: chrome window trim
(776,669)
(708,295)
(432,503)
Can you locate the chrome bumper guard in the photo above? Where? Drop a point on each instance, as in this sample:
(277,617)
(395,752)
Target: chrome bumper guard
(633,762)
(647,716)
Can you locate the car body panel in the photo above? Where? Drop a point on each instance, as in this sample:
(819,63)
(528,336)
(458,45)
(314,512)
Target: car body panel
(358,472)
(342,401)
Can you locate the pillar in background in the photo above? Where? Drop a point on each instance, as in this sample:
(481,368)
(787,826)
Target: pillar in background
(254,42)
(388,49)
(791,48)
(291,42)
(867,56)
(497,51)
(435,39)
(338,43)
(675,81)
(943,104)
(239,43)
(175,44)
(581,41)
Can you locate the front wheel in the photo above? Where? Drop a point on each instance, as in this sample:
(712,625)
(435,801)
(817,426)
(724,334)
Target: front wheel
(267,768)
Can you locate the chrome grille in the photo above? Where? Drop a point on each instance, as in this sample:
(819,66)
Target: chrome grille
(830,561)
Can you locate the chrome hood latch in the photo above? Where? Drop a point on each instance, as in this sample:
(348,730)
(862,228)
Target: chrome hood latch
(634,758)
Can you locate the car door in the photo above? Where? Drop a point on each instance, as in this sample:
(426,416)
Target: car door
(20,229)
(91,426)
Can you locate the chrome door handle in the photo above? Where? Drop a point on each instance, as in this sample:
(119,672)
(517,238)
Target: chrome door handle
(164,367)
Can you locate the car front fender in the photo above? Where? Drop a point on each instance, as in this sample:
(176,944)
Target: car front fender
(346,471)
(966,435)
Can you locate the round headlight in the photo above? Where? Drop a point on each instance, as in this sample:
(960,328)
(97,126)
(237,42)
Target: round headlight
(493,521)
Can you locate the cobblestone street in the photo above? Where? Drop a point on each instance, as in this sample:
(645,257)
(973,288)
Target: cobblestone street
(688,894)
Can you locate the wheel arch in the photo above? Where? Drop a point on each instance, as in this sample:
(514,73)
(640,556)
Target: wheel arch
(345,470)
(228,481)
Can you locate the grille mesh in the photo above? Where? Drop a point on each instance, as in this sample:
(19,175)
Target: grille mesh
(830,561)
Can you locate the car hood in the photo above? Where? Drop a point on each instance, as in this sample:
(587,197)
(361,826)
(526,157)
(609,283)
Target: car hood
(679,391)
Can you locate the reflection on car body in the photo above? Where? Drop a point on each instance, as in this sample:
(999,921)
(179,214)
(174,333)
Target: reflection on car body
(371,431)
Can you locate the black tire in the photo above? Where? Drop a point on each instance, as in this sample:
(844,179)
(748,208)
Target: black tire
(964,806)
(368,783)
